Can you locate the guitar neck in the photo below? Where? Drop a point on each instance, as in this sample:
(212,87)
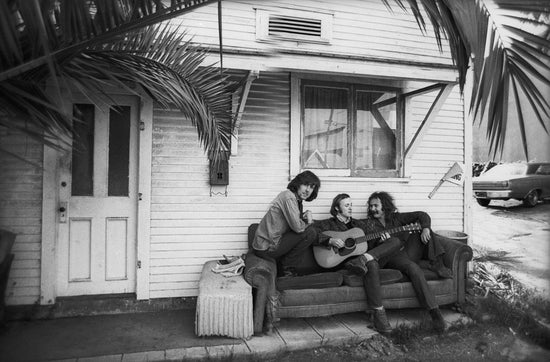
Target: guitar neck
(389,231)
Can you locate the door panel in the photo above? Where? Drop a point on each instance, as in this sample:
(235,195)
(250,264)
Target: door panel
(97,238)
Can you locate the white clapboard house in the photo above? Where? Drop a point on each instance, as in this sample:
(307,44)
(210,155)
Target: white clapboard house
(347,89)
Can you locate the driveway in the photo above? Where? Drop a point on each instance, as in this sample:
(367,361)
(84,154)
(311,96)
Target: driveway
(522,232)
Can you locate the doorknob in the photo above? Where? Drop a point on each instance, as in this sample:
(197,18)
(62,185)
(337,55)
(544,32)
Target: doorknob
(63,212)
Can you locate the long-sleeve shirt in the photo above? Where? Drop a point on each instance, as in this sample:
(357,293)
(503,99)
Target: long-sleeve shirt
(399,219)
(284,214)
(333,224)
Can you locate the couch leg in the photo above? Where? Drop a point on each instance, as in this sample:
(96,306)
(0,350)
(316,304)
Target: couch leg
(260,301)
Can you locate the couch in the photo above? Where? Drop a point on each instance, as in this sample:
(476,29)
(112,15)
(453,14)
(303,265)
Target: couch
(320,292)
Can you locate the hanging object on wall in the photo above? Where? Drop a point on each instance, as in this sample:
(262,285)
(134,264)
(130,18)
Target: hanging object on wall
(455,175)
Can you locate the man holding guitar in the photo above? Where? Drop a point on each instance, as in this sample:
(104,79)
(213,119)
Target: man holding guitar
(335,235)
(383,215)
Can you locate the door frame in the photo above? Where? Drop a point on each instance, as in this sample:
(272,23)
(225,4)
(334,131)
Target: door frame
(50,204)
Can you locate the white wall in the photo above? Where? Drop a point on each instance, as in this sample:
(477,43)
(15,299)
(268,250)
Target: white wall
(21,213)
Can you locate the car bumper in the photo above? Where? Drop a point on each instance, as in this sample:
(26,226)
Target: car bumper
(502,194)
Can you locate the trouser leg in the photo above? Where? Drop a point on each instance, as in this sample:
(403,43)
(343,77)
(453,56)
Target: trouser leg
(385,248)
(371,283)
(291,248)
(403,263)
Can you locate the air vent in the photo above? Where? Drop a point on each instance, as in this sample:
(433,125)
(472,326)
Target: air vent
(294,25)
(287,25)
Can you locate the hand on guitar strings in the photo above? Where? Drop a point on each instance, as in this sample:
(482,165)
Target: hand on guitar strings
(336,243)
(385,236)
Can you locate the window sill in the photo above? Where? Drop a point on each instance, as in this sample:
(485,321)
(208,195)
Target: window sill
(401,180)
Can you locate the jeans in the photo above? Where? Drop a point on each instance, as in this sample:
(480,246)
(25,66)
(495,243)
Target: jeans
(291,248)
(402,262)
(371,281)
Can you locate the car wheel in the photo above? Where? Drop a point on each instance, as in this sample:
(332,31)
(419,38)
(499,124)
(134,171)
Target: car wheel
(483,202)
(531,199)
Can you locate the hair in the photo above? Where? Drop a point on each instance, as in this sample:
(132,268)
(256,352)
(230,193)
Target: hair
(386,200)
(306,178)
(336,203)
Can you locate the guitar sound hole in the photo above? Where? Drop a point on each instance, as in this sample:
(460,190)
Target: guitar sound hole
(349,243)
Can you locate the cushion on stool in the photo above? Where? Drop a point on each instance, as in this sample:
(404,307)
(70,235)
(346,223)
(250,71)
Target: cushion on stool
(387,276)
(311,281)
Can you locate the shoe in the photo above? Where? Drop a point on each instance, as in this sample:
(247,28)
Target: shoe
(357,265)
(288,271)
(439,323)
(380,320)
(440,269)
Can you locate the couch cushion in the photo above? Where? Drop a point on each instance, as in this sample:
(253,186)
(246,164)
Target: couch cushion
(311,281)
(387,276)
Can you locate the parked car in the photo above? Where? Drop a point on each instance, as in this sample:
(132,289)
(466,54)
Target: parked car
(527,182)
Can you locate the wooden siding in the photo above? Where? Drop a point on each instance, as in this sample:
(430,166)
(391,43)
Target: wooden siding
(21,213)
(360,28)
(189,225)
(441,147)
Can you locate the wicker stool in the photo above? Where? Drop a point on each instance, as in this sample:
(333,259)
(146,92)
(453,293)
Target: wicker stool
(224,305)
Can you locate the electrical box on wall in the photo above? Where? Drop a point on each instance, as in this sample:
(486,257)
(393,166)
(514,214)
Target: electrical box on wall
(219,171)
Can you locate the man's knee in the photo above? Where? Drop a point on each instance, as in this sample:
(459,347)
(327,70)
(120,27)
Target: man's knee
(394,242)
(310,234)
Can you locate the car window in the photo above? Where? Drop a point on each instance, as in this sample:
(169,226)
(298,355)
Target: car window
(543,170)
(507,169)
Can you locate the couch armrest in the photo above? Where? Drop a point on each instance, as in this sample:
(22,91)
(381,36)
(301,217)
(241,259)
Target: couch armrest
(260,274)
(457,255)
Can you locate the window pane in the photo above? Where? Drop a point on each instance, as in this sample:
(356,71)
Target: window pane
(325,143)
(375,147)
(82,165)
(119,150)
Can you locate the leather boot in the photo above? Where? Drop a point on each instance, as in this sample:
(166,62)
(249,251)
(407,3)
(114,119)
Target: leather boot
(437,320)
(380,321)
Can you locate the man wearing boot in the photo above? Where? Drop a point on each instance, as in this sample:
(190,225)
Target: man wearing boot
(383,215)
(366,265)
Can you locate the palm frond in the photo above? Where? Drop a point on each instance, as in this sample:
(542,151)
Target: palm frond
(87,44)
(509,44)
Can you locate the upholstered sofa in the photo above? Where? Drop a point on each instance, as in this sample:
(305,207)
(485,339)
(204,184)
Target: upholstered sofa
(322,292)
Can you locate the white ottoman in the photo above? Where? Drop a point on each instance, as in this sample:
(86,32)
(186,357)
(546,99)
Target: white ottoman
(224,305)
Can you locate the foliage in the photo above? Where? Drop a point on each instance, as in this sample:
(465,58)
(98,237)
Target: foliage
(49,47)
(497,296)
(508,42)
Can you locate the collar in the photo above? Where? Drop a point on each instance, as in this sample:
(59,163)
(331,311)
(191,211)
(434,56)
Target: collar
(343,219)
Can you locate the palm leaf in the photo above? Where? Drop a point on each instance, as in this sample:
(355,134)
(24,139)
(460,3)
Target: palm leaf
(88,44)
(508,42)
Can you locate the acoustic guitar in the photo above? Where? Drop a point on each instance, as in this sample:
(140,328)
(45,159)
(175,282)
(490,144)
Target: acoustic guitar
(355,243)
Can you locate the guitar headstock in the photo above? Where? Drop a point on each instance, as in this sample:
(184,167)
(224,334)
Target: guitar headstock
(412,227)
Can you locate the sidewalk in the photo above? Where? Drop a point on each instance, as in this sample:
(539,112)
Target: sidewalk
(169,335)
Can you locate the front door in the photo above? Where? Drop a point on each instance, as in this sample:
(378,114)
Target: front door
(96,246)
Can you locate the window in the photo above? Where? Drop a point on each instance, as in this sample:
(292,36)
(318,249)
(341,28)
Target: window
(351,129)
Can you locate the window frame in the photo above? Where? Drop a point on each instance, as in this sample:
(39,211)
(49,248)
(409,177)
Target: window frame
(353,85)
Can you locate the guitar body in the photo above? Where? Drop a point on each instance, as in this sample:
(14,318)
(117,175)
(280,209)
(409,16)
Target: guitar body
(356,244)
(329,257)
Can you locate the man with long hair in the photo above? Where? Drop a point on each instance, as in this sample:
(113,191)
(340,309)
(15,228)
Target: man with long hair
(284,234)
(383,215)
(366,265)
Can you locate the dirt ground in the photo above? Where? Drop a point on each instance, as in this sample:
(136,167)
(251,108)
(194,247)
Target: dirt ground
(472,343)
(520,232)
